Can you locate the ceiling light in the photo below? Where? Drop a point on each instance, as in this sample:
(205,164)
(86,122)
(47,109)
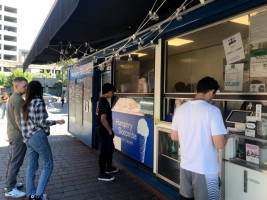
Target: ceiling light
(140,54)
(178,42)
(241,20)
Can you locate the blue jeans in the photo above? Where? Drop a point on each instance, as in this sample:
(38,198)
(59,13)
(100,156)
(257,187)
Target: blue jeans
(37,145)
(4,107)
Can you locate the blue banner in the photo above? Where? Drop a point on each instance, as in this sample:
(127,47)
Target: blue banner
(81,72)
(134,136)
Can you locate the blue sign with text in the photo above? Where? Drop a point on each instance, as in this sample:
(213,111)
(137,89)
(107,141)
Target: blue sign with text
(134,136)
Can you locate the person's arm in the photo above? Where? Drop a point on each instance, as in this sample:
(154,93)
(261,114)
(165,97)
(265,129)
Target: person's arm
(105,123)
(17,109)
(174,135)
(41,116)
(219,133)
(220,140)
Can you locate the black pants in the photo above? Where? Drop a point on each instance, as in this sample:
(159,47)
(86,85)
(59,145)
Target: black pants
(106,149)
(62,103)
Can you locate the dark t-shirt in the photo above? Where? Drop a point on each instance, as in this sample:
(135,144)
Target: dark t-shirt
(103,107)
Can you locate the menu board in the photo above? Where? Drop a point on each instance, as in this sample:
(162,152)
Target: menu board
(79,104)
(87,95)
(72,100)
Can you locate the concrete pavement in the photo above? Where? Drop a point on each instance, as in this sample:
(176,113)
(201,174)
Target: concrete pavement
(76,170)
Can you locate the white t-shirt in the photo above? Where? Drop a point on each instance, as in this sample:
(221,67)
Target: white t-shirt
(196,122)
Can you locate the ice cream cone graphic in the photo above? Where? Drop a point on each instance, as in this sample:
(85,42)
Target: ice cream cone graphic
(142,129)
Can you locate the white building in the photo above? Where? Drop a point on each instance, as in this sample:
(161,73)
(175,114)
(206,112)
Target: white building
(8,36)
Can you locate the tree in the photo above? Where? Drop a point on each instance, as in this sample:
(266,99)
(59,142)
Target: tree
(16,73)
(3,79)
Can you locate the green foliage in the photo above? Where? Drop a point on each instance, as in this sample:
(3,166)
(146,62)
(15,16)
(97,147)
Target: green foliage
(59,76)
(4,78)
(16,73)
(68,62)
(65,78)
(45,74)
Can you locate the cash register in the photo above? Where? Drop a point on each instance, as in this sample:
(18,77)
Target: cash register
(236,120)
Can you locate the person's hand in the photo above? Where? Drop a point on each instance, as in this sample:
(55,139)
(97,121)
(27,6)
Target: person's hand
(62,121)
(110,132)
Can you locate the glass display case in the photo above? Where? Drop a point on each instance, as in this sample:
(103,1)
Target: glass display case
(141,105)
(168,167)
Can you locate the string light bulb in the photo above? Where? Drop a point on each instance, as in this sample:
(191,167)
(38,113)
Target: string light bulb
(69,45)
(160,29)
(130,59)
(153,16)
(202,2)
(139,45)
(178,17)
(94,59)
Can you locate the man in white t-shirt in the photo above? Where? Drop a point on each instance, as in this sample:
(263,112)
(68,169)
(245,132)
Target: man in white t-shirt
(199,128)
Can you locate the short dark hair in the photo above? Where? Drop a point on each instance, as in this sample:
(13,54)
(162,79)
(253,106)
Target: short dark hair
(19,79)
(206,84)
(108,87)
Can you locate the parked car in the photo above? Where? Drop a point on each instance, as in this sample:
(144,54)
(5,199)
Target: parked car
(48,97)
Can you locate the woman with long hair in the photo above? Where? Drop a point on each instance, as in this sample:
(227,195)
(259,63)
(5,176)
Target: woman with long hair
(35,128)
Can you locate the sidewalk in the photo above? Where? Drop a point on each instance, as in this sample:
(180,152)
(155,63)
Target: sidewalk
(75,170)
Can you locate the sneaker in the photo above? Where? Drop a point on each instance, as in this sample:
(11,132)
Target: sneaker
(35,197)
(105,177)
(15,193)
(44,197)
(112,170)
(18,185)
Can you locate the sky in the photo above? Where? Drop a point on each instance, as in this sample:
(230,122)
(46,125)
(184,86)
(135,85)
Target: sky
(31,16)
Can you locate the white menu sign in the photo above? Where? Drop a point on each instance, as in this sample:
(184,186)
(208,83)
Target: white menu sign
(233,47)
(234,77)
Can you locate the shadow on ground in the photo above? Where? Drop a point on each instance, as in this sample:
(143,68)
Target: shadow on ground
(75,175)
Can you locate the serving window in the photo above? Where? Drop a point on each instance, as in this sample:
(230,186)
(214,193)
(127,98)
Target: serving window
(234,52)
(134,73)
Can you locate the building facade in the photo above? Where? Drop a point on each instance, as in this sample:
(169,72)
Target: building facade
(8,37)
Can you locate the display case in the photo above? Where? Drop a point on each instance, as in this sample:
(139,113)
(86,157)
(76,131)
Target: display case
(168,161)
(133,126)
(138,105)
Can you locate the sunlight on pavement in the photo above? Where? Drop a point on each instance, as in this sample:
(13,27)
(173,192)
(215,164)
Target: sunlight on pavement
(3,135)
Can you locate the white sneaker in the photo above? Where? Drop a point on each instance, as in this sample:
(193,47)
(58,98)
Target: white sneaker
(18,185)
(44,197)
(15,193)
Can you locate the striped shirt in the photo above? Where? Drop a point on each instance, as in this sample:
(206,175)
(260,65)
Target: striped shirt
(37,119)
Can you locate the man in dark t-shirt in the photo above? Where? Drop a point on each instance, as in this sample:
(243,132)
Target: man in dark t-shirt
(104,130)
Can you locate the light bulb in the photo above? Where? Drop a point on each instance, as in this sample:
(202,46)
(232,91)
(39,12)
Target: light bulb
(70,45)
(202,2)
(160,29)
(130,58)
